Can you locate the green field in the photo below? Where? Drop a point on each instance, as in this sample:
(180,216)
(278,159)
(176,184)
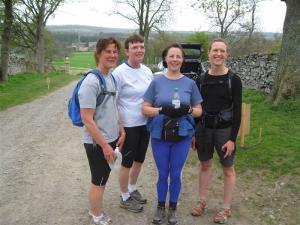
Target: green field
(26,87)
(78,60)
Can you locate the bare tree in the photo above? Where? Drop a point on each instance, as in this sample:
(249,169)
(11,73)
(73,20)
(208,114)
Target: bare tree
(32,16)
(147,14)
(250,25)
(6,37)
(224,14)
(287,83)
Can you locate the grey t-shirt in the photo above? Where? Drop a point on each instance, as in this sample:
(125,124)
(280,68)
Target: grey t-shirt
(106,115)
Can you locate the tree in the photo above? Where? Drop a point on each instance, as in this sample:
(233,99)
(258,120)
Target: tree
(202,38)
(250,25)
(287,82)
(224,14)
(147,14)
(32,16)
(6,37)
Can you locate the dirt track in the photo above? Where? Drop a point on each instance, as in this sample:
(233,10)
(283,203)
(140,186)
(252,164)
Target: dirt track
(44,177)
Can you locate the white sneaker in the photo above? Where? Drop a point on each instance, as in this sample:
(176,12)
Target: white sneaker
(105,220)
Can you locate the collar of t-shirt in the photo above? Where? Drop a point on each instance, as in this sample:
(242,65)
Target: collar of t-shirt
(126,62)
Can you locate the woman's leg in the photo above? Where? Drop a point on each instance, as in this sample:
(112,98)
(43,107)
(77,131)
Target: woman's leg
(161,154)
(178,155)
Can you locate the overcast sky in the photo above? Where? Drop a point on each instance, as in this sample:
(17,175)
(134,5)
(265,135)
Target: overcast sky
(271,15)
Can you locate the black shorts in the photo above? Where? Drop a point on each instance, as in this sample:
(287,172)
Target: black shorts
(99,167)
(135,146)
(209,139)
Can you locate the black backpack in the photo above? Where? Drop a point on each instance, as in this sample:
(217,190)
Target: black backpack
(225,114)
(200,81)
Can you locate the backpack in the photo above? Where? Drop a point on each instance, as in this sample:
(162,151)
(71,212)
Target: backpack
(73,105)
(200,81)
(225,115)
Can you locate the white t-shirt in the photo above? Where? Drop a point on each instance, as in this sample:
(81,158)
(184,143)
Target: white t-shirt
(132,83)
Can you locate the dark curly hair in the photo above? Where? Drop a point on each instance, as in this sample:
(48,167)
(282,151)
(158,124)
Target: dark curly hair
(166,50)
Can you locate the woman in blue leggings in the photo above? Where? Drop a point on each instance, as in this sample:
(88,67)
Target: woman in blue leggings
(170,154)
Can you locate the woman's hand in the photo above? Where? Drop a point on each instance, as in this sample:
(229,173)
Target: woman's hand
(228,148)
(109,153)
(121,139)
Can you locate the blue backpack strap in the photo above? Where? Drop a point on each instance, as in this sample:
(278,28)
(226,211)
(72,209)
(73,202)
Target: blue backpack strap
(102,83)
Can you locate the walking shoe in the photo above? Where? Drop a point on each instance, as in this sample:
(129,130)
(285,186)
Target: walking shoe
(199,209)
(222,216)
(172,217)
(131,205)
(100,222)
(159,215)
(104,220)
(136,195)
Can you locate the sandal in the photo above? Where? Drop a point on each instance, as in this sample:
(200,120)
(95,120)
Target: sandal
(222,216)
(199,209)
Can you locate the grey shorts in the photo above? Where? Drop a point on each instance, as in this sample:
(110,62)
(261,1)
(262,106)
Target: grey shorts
(208,139)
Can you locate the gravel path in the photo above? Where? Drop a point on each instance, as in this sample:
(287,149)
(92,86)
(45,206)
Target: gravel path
(44,173)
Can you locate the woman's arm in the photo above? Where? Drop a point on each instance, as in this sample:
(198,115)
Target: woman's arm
(87,116)
(197,110)
(122,133)
(149,110)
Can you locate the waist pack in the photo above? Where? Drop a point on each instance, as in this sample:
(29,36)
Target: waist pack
(170,130)
(74,106)
(225,115)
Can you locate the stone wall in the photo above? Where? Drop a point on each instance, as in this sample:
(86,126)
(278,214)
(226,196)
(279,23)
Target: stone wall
(257,71)
(16,65)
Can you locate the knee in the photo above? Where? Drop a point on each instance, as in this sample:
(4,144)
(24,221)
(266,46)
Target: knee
(175,175)
(206,165)
(163,175)
(229,172)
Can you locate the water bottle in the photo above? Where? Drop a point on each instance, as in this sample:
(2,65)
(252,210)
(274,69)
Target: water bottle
(117,163)
(176,99)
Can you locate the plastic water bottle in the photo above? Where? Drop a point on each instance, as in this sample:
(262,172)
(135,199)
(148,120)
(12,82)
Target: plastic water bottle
(176,98)
(117,163)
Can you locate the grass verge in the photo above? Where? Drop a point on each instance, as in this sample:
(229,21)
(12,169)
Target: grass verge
(26,87)
(278,151)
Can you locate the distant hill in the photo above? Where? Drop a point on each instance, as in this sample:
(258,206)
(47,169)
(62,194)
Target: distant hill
(84,30)
(87,30)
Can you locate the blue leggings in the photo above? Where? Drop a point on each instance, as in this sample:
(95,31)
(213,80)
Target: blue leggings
(170,158)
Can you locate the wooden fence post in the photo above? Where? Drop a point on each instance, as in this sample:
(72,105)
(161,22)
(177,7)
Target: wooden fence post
(67,65)
(245,123)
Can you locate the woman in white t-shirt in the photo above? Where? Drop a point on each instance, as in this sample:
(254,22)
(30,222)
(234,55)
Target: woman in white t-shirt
(133,79)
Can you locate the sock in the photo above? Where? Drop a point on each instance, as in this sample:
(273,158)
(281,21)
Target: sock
(172,205)
(161,204)
(226,206)
(125,195)
(97,218)
(131,188)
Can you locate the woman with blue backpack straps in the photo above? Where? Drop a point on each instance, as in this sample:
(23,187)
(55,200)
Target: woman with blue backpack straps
(103,129)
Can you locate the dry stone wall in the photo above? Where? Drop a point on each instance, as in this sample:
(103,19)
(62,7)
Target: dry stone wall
(257,71)
(16,65)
